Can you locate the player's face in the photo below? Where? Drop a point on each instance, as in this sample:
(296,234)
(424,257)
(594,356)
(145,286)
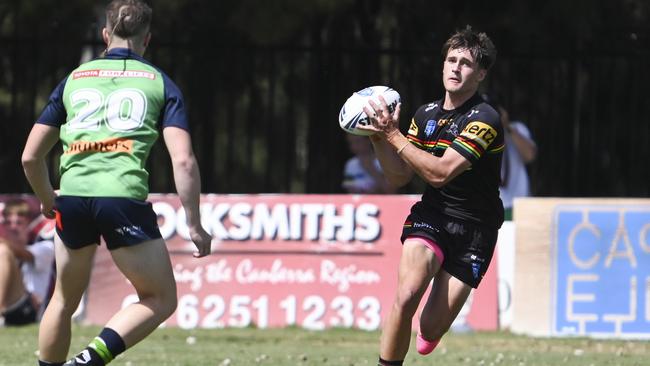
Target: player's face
(460,73)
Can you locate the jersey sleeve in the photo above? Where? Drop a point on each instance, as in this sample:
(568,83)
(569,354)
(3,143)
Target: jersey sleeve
(173,113)
(54,113)
(482,134)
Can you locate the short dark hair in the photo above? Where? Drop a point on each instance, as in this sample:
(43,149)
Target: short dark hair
(18,206)
(128,18)
(478,44)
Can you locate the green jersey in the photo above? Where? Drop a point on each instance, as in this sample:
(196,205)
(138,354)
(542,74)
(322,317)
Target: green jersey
(109,111)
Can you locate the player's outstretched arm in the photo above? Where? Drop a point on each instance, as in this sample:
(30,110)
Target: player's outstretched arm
(188,184)
(39,143)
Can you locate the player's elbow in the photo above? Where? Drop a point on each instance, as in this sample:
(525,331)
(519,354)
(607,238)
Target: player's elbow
(436,182)
(184,160)
(445,170)
(437,179)
(29,160)
(184,164)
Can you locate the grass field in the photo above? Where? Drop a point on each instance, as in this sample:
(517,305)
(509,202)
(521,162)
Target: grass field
(297,347)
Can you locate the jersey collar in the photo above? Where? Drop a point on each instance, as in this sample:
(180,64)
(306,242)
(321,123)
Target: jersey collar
(121,53)
(472,101)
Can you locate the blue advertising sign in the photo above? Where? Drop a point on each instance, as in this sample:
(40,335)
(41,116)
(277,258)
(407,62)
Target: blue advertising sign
(601,257)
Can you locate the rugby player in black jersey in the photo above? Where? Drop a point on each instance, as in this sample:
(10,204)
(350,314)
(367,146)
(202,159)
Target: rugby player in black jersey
(455,144)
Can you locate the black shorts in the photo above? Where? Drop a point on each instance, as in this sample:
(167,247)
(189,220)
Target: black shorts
(21,313)
(467,247)
(80,221)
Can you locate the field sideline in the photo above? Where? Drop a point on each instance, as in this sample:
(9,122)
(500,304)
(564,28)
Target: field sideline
(298,347)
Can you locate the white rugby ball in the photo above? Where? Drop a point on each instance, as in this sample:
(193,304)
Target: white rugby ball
(352,115)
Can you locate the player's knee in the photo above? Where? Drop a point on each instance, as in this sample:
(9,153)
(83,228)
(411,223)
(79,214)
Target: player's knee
(170,307)
(64,306)
(166,304)
(407,300)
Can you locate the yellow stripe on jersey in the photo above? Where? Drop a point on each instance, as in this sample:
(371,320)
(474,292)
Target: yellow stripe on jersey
(479,132)
(497,149)
(413,128)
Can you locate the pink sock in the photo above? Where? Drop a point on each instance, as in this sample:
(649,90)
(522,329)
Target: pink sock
(425,347)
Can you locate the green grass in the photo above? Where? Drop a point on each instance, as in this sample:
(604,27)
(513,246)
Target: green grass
(297,347)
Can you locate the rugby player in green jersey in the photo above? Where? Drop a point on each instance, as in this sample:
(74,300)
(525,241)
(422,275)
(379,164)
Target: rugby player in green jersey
(107,114)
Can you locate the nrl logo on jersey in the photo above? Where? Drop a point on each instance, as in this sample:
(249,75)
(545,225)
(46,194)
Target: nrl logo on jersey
(430,128)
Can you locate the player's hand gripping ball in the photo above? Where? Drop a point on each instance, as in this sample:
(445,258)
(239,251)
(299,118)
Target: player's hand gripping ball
(352,114)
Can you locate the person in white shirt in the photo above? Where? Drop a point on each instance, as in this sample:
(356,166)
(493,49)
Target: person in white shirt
(362,173)
(520,150)
(25,267)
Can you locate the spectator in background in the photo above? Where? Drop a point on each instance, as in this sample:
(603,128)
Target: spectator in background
(362,172)
(520,150)
(26,266)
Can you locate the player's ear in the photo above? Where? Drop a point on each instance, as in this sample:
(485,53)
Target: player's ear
(106,36)
(147,39)
(481,74)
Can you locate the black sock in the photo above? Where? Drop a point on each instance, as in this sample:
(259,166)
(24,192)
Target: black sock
(114,343)
(383,362)
(45,363)
(103,349)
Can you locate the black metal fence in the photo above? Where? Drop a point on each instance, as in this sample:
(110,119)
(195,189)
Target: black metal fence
(264,119)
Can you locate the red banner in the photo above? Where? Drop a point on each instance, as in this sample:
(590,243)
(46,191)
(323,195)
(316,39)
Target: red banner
(314,261)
